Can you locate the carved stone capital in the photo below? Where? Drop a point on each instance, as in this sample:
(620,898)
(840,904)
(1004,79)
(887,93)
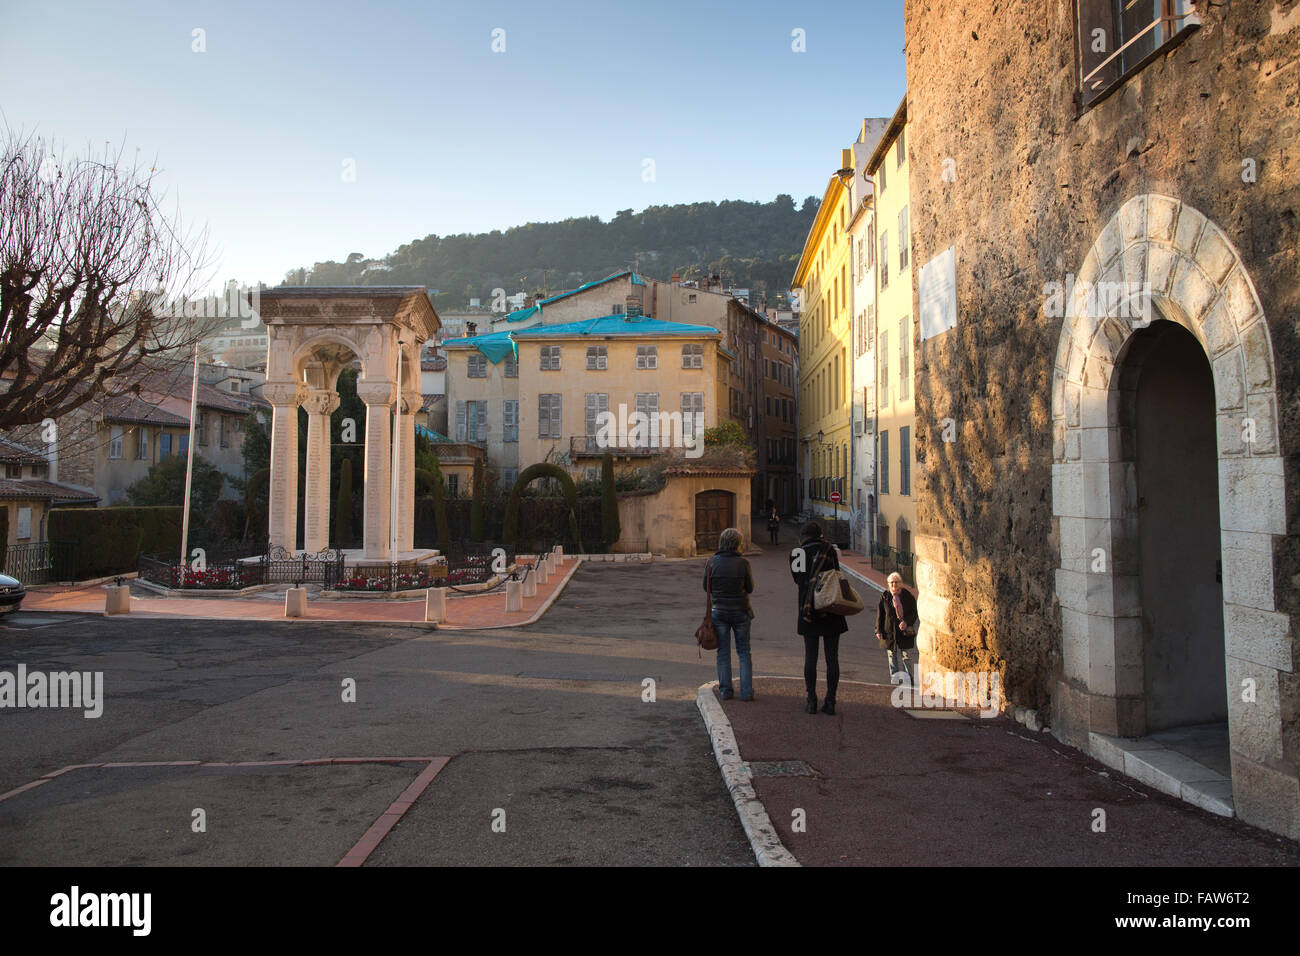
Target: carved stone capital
(321,402)
(376,393)
(284,393)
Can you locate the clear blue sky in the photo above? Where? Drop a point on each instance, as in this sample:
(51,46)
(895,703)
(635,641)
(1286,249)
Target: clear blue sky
(446,135)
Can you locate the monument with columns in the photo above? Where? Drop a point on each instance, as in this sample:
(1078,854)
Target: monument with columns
(313,333)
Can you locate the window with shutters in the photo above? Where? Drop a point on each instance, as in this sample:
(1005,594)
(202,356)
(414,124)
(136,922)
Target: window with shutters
(550,358)
(510,421)
(904,360)
(471,421)
(883,377)
(201,428)
(453,485)
(164,446)
(884,260)
(142,444)
(647,356)
(692,356)
(901,148)
(115,442)
(221,432)
(647,404)
(597,357)
(692,414)
(884,463)
(902,239)
(880,177)
(509,476)
(548,416)
(512,367)
(905,460)
(477,365)
(596,404)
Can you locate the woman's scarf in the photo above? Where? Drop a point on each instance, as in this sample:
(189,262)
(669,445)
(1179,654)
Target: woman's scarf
(898,605)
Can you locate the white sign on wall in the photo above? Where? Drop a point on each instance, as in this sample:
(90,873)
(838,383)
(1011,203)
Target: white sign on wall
(24,523)
(937,294)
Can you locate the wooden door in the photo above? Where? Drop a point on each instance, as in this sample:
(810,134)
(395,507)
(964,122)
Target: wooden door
(715,511)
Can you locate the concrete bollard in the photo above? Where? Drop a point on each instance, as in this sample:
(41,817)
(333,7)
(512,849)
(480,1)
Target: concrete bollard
(559,554)
(540,571)
(530,585)
(435,605)
(552,564)
(514,596)
(295,602)
(118,600)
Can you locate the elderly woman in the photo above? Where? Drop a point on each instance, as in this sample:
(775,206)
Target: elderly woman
(813,556)
(728,578)
(896,625)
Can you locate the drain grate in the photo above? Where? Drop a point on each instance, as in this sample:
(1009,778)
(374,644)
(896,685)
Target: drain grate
(781,768)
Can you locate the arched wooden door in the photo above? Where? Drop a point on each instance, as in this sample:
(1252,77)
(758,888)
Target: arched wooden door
(715,511)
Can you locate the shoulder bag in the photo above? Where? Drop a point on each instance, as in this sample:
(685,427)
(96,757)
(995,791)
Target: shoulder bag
(832,593)
(705,635)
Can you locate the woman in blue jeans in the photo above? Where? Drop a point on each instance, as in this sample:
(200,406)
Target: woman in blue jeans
(728,578)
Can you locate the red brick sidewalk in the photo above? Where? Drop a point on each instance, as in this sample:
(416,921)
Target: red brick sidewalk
(464,612)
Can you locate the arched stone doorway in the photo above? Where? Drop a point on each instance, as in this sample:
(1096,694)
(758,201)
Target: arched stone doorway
(1172,266)
(313,333)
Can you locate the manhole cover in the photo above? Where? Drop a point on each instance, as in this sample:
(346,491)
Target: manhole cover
(781,768)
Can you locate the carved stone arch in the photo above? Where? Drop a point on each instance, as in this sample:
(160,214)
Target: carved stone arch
(1161,259)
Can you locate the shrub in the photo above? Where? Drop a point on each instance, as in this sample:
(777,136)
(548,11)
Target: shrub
(609,523)
(111,540)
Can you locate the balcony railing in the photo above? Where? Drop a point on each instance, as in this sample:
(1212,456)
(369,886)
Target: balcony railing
(589,446)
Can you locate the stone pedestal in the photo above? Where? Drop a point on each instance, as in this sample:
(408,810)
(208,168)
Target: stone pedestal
(378,397)
(514,596)
(435,605)
(295,602)
(118,599)
(530,585)
(540,571)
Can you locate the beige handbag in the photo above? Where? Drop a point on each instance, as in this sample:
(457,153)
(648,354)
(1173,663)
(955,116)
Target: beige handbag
(832,594)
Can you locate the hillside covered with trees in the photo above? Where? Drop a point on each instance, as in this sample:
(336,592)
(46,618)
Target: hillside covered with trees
(751,245)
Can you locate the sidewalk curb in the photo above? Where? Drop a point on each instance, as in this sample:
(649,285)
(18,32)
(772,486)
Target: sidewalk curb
(763,838)
(869,583)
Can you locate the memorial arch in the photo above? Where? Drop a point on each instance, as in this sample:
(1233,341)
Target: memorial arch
(313,334)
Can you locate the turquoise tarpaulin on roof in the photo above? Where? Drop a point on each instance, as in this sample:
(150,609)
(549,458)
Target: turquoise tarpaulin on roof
(496,345)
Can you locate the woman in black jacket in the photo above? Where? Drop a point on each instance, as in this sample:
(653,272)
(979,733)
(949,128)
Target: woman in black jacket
(728,579)
(896,625)
(814,555)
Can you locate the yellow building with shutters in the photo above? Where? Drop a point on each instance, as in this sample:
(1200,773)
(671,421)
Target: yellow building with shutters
(895,330)
(823,283)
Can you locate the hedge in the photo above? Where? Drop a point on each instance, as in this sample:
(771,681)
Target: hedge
(4,535)
(111,540)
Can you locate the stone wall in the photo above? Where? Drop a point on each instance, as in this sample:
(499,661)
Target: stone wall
(1030,186)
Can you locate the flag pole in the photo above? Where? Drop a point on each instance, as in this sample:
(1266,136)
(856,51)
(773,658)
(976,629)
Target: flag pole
(189,464)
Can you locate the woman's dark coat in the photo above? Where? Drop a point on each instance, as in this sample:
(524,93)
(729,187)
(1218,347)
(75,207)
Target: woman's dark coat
(887,622)
(822,624)
(732,582)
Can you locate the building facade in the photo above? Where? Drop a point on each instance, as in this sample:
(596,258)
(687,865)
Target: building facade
(895,395)
(1109,279)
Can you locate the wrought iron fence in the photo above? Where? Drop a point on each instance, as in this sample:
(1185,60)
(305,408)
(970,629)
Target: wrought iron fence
(888,560)
(41,563)
(229,566)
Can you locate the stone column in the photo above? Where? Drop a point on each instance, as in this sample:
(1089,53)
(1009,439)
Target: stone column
(316,528)
(378,397)
(406,472)
(283,486)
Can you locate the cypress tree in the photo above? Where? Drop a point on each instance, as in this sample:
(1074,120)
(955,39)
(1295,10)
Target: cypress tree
(609,523)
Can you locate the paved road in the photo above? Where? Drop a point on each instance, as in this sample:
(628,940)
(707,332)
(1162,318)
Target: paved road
(547,724)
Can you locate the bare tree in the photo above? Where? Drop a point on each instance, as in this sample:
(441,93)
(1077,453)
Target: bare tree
(88,263)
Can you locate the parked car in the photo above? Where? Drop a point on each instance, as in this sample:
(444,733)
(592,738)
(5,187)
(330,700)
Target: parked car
(11,594)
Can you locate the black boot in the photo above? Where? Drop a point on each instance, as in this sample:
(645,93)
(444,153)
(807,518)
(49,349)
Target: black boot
(812,704)
(828,706)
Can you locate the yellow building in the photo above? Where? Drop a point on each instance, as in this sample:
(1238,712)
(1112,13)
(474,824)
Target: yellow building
(572,391)
(823,282)
(895,396)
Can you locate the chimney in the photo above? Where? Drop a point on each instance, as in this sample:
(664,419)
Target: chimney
(632,306)
(675,279)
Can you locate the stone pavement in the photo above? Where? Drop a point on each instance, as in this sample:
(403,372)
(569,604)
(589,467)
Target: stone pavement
(881,785)
(464,611)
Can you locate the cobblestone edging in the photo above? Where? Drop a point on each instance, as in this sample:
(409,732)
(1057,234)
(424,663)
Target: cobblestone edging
(763,838)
